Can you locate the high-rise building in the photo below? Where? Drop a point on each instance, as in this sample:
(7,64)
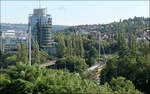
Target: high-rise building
(41,28)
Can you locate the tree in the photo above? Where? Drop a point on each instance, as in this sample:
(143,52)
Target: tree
(133,44)
(80,44)
(144,47)
(61,48)
(45,57)
(125,64)
(69,47)
(77,44)
(72,63)
(18,86)
(22,54)
(92,56)
(122,45)
(122,86)
(8,58)
(36,55)
(25,79)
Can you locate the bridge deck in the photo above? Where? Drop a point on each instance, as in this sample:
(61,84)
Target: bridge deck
(48,64)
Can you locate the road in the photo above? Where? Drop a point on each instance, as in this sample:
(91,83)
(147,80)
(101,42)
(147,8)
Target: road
(91,69)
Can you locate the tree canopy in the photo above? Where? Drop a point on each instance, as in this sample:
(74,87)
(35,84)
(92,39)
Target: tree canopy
(25,79)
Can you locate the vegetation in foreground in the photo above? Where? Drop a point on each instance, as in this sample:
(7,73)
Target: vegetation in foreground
(25,79)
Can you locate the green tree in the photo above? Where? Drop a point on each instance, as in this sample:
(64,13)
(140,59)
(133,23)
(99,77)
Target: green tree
(72,63)
(8,58)
(123,86)
(45,57)
(92,56)
(77,43)
(81,47)
(125,64)
(25,79)
(61,48)
(144,47)
(69,47)
(133,44)
(22,54)
(36,54)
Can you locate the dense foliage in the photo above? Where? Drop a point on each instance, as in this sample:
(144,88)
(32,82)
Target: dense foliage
(72,63)
(136,24)
(25,79)
(78,46)
(132,62)
(21,55)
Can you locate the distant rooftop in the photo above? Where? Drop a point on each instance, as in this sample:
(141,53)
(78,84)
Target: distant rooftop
(8,33)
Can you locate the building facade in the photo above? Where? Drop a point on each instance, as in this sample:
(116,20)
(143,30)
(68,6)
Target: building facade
(41,28)
(9,40)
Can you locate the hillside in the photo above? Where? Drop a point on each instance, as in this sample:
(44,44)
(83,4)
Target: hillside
(137,23)
(127,25)
(23,27)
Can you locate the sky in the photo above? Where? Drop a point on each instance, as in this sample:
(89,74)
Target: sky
(75,12)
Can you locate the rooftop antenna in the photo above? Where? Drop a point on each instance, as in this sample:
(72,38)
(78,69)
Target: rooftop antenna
(46,6)
(39,4)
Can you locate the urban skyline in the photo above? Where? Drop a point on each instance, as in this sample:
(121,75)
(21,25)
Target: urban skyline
(75,12)
(106,52)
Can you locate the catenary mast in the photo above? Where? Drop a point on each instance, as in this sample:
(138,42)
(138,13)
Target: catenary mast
(29,43)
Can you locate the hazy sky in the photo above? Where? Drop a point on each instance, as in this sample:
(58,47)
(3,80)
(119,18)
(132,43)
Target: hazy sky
(75,12)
